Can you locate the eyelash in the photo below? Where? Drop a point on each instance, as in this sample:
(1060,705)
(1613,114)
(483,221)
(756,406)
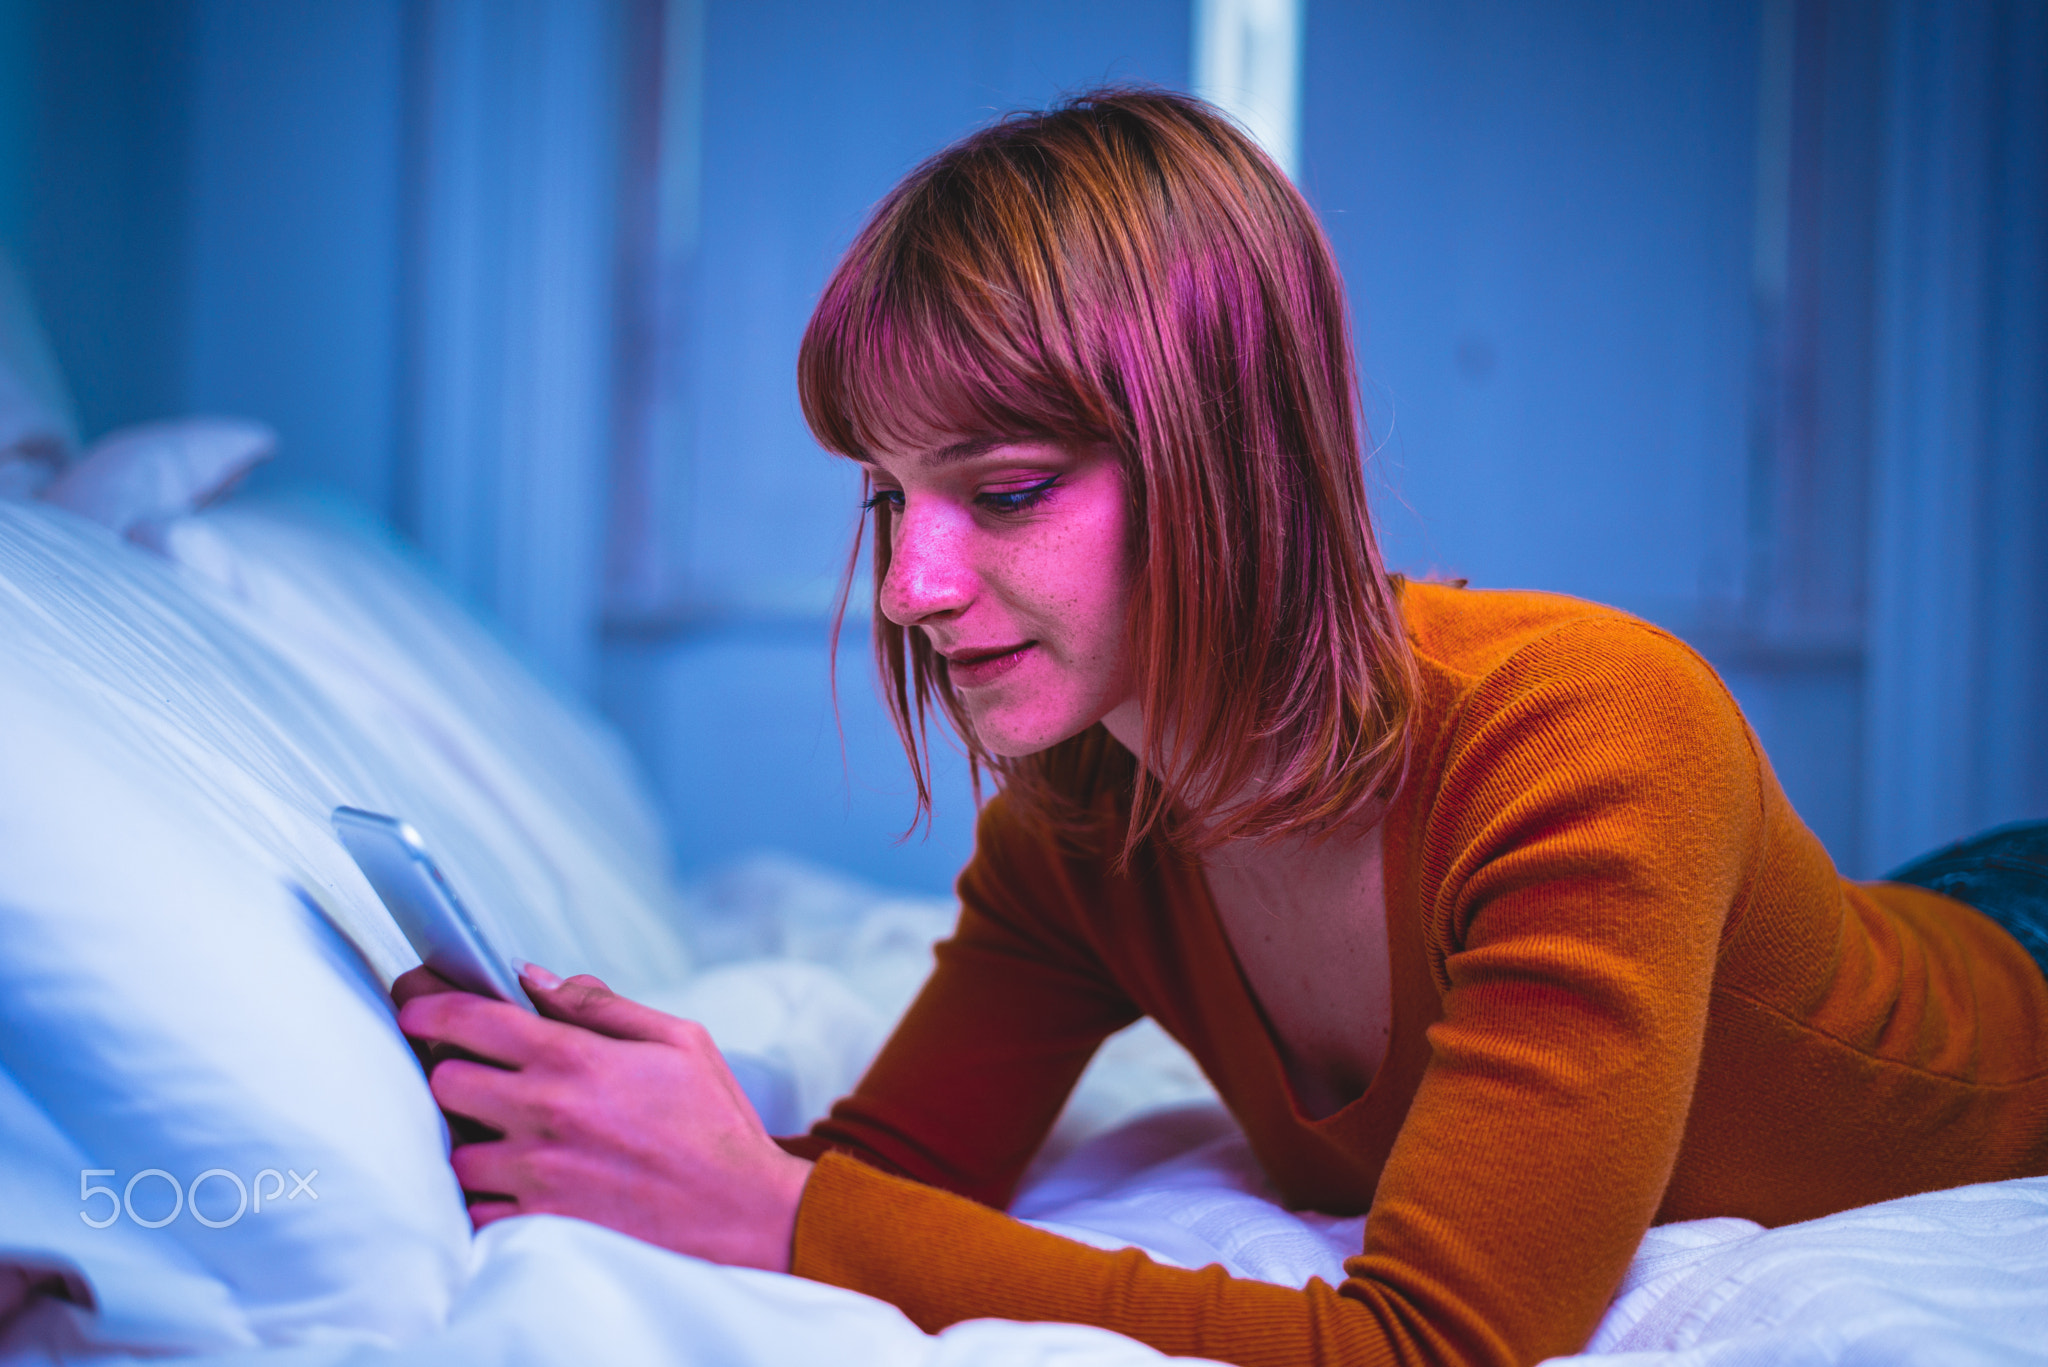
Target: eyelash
(1004,502)
(1018,500)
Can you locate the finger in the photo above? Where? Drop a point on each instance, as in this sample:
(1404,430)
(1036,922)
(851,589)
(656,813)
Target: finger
(419,982)
(536,980)
(547,978)
(585,1001)
(522,1107)
(487,1171)
(478,1025)
(494,1096)
(523,1170)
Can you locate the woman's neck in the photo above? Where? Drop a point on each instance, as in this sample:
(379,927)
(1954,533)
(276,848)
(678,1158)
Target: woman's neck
(1126,722)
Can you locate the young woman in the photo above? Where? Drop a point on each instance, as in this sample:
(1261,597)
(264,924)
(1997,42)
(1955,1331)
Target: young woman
(1482,910)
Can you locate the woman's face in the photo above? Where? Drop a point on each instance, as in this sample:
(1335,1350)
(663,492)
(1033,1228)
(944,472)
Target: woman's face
(1013,558)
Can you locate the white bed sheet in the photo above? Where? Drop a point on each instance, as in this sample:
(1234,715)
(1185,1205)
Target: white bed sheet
(1948,1277)
(1956,1277)
(549,1292)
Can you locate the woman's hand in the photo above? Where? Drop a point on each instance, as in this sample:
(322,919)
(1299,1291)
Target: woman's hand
(611,1112)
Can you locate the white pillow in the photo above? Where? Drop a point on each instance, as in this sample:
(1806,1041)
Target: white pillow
(267,753)
(579,866)
(174,1008)
(145,1289)
(135,479)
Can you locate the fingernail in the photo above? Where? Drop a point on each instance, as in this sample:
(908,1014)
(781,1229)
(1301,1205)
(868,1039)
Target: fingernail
(538,976)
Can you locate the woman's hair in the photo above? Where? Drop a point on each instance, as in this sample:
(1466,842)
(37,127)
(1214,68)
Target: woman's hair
(1129,269)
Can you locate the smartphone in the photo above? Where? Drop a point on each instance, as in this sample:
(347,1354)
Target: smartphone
(395,860)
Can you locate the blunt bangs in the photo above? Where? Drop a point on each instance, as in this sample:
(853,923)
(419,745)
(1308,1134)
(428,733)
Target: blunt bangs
(923,337)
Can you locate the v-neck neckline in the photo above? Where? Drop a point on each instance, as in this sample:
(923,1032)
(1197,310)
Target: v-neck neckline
(1404,954)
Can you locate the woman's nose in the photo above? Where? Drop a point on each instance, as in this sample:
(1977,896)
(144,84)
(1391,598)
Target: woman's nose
(929,576)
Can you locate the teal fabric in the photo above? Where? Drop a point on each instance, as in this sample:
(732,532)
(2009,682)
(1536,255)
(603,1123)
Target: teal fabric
(2003,873)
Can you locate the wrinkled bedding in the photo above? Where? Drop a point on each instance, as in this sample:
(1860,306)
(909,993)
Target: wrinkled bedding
(1955,1276)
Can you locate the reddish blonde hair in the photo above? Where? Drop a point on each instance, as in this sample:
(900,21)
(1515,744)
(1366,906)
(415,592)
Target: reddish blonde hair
(1129,268)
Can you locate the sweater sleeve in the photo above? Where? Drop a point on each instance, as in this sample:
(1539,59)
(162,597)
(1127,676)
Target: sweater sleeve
(1596,811)
(974,1076)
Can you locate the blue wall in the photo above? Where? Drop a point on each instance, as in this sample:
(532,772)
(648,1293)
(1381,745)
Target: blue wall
(1546,215)
(1543,214)
(293,251)
(95,192)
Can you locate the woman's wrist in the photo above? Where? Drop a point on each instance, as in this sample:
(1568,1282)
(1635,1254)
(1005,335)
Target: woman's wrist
(790,1176)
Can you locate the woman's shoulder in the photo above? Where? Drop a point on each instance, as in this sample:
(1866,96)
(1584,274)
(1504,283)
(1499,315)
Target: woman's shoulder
(1561,746)
(1480,652)
(1536,694)
(1469,634)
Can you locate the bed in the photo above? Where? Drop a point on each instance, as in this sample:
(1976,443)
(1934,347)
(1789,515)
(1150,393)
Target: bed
(215,1146)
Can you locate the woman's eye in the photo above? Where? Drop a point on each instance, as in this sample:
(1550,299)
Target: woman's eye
(1016,500)
(890,498)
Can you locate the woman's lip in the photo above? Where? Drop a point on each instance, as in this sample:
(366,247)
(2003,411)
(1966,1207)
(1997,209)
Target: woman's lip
(977,670)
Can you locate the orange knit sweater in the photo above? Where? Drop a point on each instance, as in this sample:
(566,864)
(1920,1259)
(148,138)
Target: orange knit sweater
(1629,987)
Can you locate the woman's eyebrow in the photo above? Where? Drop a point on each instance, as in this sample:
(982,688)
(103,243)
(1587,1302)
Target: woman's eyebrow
(965,449)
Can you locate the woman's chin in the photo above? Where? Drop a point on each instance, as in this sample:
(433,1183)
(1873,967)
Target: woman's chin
(1014,747)
(1017,737)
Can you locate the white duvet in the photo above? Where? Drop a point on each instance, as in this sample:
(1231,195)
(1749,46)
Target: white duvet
(1957,1277)
(192,978)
